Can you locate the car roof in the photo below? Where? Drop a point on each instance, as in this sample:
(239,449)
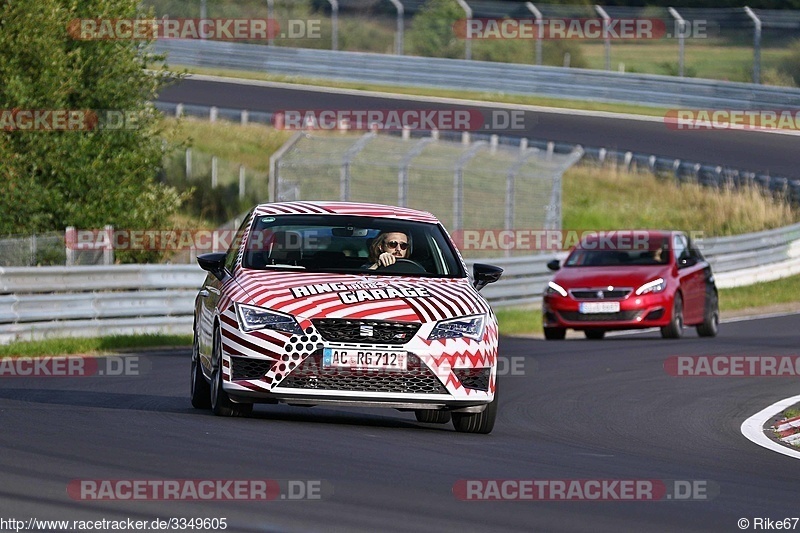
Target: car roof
(345,208)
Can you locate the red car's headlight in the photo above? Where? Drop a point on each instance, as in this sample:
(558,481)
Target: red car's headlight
(555,288)
(657,285)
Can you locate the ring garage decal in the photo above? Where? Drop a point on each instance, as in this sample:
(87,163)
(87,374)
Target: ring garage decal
(361,292)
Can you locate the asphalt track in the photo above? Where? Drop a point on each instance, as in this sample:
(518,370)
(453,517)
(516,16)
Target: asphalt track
(580,410)
(745,150)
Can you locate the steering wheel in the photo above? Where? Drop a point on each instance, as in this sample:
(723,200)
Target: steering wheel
(404,266)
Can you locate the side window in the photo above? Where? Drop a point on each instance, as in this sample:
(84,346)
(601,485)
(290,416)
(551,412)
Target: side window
(679,247)
(236,245)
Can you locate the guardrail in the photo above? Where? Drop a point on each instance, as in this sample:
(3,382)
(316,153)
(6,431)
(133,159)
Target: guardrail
(39,302)
(559,82)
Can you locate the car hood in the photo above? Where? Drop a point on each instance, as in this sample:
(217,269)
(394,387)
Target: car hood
(590,277)
(321,295)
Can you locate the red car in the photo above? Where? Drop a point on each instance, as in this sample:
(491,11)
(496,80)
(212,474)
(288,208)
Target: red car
(630,280)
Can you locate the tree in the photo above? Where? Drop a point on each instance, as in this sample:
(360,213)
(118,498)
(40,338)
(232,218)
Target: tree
(431,32)
(51,179)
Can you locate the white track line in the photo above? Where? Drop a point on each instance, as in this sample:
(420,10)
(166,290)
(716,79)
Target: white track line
(753,427)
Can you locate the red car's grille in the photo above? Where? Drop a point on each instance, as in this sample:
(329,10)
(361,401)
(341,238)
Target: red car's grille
(600,294)
(417,378)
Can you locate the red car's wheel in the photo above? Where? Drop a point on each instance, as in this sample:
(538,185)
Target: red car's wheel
(555,334)
(674,329)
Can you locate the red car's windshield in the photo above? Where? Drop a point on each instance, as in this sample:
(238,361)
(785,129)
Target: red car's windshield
(617,258)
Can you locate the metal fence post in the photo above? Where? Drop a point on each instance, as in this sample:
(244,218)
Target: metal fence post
(70,240)
(607,39)
(108,249)
(467,40)
(681,36)
(188,163)
(539,28)
(756,44)
(458,184)
(398,36)
(214,176)
(241,182)
(334,24)
(270,21)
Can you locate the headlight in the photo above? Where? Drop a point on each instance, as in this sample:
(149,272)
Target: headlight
(657,285)
(466,326)
(252,318)
(553,288)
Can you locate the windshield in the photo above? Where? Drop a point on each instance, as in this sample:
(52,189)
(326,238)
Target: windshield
(346,244)
(617,258)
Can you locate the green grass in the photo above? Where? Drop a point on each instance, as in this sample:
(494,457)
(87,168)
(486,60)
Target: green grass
(780,291)
(91,346)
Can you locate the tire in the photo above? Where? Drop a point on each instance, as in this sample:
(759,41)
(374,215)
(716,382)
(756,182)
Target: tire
(482,422)
(674,329)
(200,389)
(555,334)
(221,403)
(432,416)
(710,325)
(594,334)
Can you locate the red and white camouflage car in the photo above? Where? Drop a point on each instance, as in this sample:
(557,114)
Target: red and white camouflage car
(297,312)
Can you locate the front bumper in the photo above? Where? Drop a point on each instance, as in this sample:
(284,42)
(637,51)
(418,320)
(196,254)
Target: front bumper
(647,311)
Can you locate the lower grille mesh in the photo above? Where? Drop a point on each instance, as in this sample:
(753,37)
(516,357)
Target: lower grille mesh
(574,316)
(249,368)
(417,378)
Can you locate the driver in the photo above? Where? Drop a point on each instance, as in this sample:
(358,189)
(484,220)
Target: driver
(387,248)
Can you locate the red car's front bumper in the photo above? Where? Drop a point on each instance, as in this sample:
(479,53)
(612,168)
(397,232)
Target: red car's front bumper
(645,311)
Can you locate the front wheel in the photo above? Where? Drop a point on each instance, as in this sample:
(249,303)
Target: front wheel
(710,325)
(482,422)
(674,329)
(555,334)
(221,403)
(201,391)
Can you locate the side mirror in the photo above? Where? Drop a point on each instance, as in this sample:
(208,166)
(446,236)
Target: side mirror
(214,263)
(485,274)
(687,262)
(554,265)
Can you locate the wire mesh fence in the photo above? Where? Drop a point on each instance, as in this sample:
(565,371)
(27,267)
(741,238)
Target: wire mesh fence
(471,183)
(736,44)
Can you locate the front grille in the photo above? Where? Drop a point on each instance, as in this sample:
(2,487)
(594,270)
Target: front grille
(416,379)
(574,316)
(365,331)
(600,294)
(473,378)
(249,368)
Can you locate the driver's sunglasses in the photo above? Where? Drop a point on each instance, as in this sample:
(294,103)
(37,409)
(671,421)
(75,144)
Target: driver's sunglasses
(395,244)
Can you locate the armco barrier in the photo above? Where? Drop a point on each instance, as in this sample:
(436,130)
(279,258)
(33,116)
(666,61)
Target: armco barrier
(456,74)
(39,302)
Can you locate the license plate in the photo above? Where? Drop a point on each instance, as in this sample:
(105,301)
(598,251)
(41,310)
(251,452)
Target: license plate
(363,359)
(599,307)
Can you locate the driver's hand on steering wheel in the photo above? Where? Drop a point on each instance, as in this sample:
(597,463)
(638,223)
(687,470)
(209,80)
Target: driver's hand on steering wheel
(386,259)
